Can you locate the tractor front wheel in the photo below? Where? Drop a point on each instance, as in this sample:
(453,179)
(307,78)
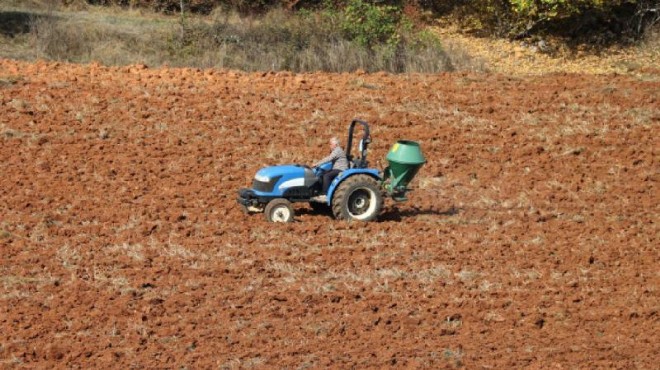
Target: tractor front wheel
(357,198)
(279,210)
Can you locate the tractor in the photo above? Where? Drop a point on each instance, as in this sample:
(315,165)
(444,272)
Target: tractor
(355,194)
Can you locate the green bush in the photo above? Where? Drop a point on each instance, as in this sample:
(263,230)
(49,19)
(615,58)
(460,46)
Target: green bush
(530,13)
(576,20)
(317,41)
(554,9)
(369,24)
(377,22)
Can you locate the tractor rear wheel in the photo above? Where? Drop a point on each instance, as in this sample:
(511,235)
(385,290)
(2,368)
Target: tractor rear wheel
(279,210)
(357,198)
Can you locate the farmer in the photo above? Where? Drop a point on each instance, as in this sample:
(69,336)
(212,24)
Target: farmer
(339,163)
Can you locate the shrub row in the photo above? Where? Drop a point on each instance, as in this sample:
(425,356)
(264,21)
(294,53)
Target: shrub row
(590,19)
(581,20)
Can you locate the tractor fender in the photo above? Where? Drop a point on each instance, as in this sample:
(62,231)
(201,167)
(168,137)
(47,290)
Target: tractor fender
(348,173)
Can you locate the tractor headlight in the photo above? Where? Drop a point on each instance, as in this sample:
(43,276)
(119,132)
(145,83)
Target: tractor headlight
(261,178)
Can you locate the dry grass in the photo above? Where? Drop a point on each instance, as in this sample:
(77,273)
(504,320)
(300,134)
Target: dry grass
(514,58)
(276,41)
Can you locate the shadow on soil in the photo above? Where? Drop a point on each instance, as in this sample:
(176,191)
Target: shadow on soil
(396,215)
(322,211)
(392,214)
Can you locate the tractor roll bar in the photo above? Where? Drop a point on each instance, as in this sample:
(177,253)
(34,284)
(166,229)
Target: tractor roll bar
(366,139)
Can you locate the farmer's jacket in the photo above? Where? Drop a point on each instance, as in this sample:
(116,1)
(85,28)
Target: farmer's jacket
(338,158)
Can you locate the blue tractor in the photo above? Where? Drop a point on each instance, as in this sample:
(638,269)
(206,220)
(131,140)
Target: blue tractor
(355,194)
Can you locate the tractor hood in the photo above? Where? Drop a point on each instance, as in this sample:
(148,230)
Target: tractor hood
(266,174)
(276,179)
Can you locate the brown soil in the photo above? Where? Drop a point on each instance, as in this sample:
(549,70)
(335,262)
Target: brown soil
(530,240)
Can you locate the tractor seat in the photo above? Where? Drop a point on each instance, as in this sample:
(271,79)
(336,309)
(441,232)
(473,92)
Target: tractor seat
(358,163)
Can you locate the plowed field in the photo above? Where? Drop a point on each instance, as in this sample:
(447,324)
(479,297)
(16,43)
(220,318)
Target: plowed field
(531,239)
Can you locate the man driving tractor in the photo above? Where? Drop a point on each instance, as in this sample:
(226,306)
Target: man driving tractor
(339,163)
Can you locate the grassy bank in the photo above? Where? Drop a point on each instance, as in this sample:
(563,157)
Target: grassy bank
(278,40)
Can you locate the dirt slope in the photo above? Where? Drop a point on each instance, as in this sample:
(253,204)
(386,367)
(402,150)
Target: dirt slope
(530,240)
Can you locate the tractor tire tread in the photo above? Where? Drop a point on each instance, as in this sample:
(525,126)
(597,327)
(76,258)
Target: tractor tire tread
(339,199)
